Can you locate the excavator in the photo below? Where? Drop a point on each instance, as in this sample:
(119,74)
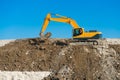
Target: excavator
(79,34)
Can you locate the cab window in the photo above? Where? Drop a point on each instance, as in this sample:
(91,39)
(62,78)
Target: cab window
(77,32)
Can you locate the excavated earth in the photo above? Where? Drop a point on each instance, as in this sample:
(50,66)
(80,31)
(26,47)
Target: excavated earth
(64,60)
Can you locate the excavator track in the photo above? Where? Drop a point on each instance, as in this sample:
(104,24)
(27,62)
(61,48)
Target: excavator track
(84,42)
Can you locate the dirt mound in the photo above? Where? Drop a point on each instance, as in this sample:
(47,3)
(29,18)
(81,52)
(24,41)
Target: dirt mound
(65,61)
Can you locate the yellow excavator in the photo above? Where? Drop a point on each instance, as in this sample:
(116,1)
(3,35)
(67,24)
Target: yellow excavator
(78,32)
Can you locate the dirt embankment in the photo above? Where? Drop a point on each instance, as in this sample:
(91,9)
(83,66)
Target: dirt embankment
(65,61)
(117,58)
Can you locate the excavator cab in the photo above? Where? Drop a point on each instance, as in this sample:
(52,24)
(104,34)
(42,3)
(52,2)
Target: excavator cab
(77,31)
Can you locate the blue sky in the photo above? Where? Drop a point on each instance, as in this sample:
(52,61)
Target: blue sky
(24,18)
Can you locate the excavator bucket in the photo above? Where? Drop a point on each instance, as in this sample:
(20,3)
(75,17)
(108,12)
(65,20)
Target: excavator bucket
(46,36)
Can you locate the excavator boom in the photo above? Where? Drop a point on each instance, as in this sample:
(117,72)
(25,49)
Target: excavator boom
(62,19)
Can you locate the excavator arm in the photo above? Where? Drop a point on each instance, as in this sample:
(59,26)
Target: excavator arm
(59,18)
